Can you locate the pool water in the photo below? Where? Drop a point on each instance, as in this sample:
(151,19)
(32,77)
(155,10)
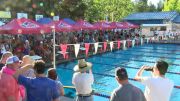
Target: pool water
(133,58)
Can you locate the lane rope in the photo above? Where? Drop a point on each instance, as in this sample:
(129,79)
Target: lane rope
(139,60)
(147,55)
(163,49)
(108,75)
(178,73)
(153,52)
(96,92)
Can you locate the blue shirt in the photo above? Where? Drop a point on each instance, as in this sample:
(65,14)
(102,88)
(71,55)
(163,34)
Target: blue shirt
(40,88)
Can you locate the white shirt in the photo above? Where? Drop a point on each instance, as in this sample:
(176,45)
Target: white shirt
(158,88)
(83,82)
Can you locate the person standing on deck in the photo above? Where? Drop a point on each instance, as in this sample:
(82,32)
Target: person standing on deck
(158,87)
(39,88)
(52,74)
(83,80)
(125,91)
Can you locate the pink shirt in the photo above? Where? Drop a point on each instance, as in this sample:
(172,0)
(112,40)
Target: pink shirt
(8,85)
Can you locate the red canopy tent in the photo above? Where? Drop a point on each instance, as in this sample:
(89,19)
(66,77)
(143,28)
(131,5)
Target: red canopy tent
(103,25)
(119,25)
(83,25)
(49,26)
(23,26)
(130,25)
(62,26)
(1,30)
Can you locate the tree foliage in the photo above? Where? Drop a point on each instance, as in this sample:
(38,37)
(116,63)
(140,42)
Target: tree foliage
(142,6)
(172,5)
(91,10)
(114,10)
(74,9)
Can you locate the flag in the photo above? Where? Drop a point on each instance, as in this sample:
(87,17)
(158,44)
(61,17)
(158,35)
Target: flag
(63,49)
(105,46)
(76,48)
(87,48)
(96,47)
(111,45)
(119,44)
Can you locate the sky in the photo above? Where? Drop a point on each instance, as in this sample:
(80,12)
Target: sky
(155,2)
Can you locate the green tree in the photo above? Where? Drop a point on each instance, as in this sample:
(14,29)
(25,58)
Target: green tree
(172,5)
(115,10)
(151,7)
(14,6)
(142,6)
(160,5)
(74,9)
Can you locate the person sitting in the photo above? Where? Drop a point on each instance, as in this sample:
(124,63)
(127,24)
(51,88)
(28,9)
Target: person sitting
(125,91)
(158,88)
(53,75)
(82,80)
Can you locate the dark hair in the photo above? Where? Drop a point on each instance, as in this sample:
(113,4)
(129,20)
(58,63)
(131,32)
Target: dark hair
(121,73)
(39,67)
(162,66)
(52,73)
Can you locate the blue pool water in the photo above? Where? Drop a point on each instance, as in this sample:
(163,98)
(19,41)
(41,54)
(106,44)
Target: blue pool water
(130,58)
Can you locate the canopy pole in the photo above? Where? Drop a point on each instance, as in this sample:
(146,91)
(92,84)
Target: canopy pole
(54,47)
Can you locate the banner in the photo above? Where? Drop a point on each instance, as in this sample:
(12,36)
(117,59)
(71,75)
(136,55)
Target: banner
(141,41)
(22,15)
(4,14)
(96,47)
(124,44)
(55,18)
(76,48)
(105,46)
(133,43)
(111,45)
(119,44)
(37,16)
(63,49)
(87,48)
(147,40)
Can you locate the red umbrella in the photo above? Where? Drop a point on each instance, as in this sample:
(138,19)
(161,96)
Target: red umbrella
(130,25)
(119,25)
(83,25)
(23,26)
(103,25)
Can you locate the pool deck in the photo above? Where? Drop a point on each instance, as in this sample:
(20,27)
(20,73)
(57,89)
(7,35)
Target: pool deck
(63,98)
(168,41)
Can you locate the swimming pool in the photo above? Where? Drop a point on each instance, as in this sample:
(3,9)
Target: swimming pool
(133,58)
